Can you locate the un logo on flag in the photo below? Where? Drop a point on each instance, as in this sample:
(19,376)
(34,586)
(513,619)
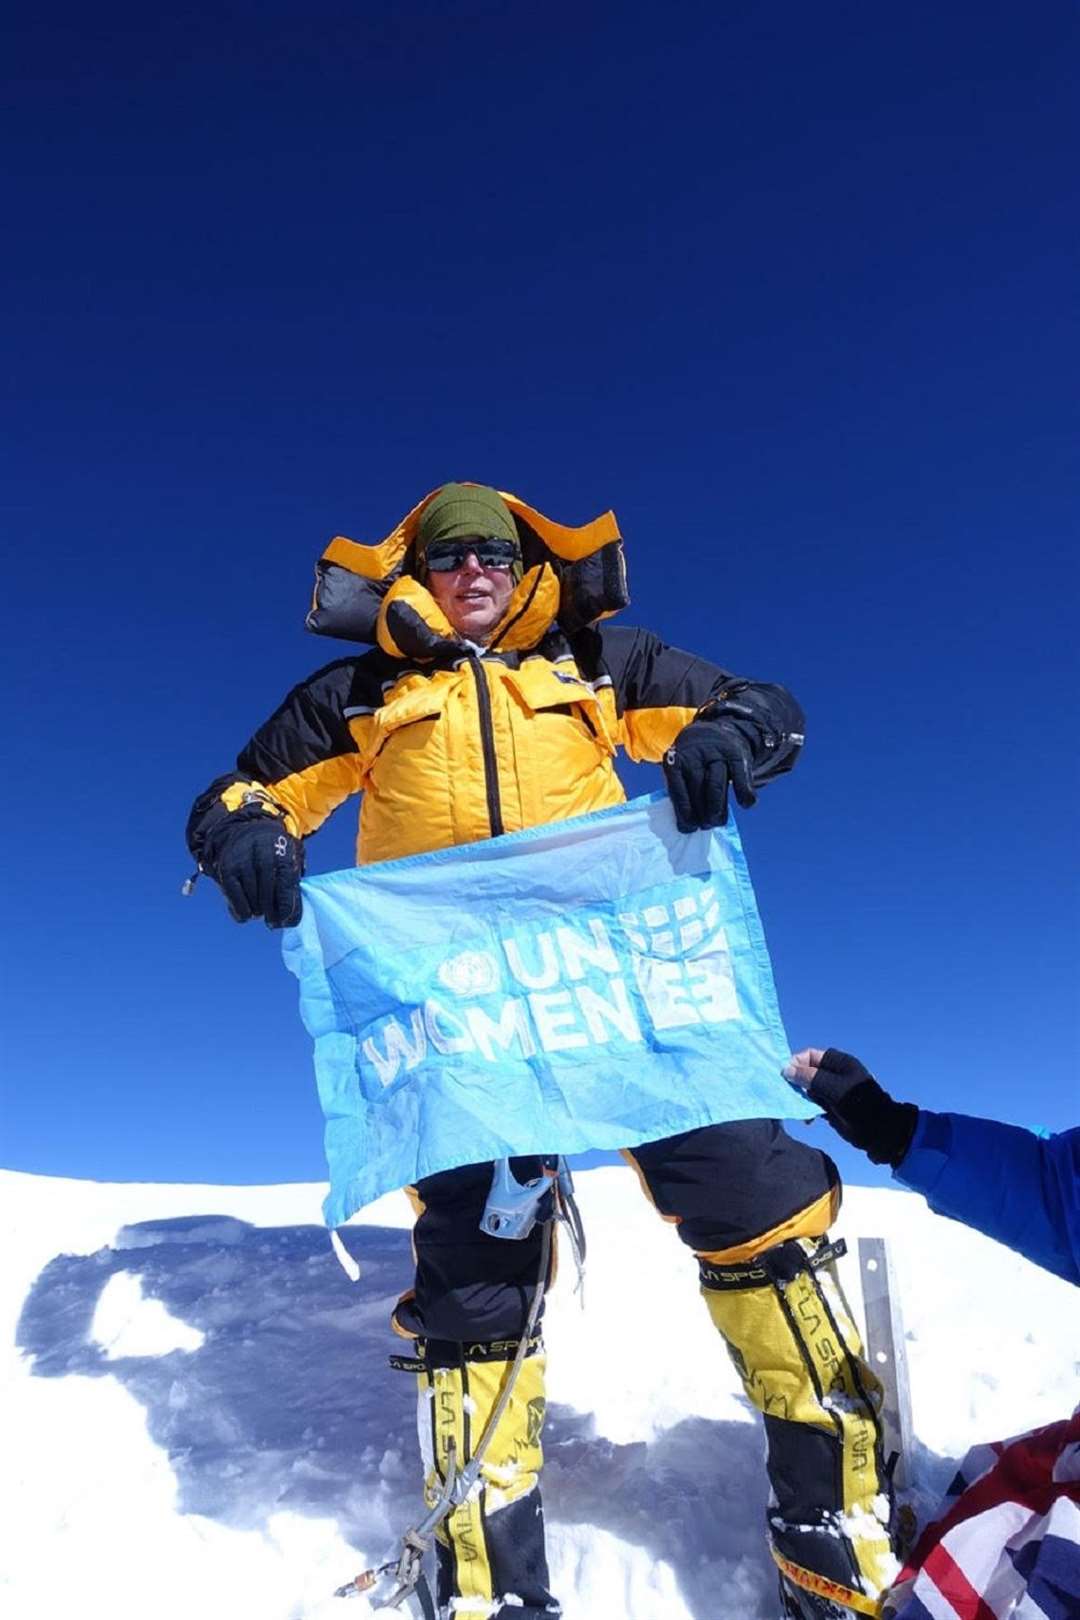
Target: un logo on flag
(472,973)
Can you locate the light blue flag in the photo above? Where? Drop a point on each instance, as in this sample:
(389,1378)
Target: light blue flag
(592,983)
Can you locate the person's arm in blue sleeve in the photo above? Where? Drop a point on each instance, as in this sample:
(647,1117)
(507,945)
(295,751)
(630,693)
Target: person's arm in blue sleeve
(1022,1189)
(1019,1188)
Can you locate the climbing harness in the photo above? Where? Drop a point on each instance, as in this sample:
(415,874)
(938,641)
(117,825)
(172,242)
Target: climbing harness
(513,1207)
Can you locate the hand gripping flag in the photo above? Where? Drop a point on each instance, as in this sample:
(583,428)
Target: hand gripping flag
(593,983)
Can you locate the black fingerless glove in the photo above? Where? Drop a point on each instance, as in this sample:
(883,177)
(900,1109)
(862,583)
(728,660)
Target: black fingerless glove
(257,865)
(706,757)
(861,1111)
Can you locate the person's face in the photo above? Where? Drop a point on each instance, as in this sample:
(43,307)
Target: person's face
(473,598)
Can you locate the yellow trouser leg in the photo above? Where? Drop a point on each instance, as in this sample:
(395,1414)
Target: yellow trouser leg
(799,1357)
(484,1540)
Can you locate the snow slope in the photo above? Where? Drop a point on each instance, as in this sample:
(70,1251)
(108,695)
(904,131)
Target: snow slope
(199,1419)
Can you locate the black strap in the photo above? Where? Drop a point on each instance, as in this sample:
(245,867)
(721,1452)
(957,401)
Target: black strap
(826,1253)
(424,1598)
(412,1364)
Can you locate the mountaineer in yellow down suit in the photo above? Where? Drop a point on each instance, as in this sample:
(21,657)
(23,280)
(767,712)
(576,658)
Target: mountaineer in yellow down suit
(492,695)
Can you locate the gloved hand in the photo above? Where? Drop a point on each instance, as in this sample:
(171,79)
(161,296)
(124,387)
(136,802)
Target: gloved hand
(258,865)
(860,1110)
(705,757)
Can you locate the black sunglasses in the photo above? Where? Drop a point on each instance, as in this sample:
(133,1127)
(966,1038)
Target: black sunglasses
(490,551)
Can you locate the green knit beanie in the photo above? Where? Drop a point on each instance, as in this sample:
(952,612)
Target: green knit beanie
(463,510)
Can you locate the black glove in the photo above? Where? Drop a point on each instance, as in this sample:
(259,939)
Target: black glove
(705,757)
(258,866)
(860,1110)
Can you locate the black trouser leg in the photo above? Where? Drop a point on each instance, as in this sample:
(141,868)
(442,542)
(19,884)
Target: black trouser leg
(468,1311)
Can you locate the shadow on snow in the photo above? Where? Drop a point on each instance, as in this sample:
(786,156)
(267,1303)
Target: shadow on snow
(289,1405)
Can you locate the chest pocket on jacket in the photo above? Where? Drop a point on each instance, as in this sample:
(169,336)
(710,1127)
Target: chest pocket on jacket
(545,688)
(415,707)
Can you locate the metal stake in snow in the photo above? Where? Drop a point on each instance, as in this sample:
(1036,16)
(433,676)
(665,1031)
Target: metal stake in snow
(885,1352)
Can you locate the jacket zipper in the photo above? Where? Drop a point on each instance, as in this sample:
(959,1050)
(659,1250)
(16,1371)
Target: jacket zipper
(487,741)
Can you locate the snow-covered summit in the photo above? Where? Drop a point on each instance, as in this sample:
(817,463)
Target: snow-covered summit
(200,1418)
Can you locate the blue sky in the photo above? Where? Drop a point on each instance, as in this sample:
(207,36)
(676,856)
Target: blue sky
(792,288)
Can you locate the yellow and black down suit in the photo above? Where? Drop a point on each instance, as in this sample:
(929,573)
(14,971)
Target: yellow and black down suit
(449,743)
